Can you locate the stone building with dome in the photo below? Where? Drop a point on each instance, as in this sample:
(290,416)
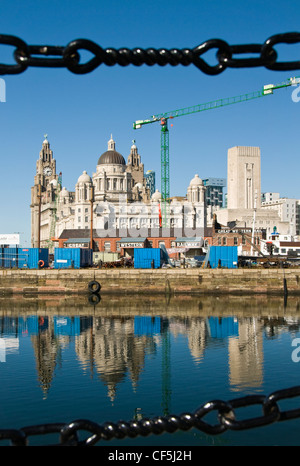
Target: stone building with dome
(113,206)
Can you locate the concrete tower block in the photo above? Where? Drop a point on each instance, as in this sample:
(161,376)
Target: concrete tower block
(244,177)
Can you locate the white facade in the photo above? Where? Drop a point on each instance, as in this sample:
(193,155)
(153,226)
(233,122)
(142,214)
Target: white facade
(269,197)
(115,197)
(283,245)
(287,210)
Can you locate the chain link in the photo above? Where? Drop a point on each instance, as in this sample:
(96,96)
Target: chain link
(69,56)
(226,414)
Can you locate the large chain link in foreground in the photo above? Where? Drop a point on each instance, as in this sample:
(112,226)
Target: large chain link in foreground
(43,55)
(225,411)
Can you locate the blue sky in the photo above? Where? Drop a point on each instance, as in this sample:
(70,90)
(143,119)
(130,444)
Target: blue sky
(79,113)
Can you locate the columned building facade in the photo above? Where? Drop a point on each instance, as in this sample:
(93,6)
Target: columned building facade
(115,198)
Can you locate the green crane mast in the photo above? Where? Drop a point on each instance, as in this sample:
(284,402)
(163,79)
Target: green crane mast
(164,139)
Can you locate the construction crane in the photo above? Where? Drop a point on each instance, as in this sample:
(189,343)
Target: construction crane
(163,118)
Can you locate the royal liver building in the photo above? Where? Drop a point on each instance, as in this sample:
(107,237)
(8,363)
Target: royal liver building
(114,198)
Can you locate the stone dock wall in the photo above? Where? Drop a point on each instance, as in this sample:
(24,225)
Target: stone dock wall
(159,281)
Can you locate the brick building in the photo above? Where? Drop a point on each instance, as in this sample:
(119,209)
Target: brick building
(242,237)
(177,246)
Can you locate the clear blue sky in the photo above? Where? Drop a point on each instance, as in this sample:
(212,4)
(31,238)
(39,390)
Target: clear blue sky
(80,112)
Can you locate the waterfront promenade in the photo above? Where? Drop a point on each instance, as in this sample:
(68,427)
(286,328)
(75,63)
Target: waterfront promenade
(151,281)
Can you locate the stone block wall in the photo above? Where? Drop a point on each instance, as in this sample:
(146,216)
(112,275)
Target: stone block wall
(158,281)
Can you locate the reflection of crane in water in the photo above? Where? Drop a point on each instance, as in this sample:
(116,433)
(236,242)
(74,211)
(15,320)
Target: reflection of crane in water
(151,326)
(166,366)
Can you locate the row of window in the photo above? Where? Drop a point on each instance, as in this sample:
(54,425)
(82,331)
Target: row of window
(223,240)
(284,251)
(114,184)
(107,245)
(144,223)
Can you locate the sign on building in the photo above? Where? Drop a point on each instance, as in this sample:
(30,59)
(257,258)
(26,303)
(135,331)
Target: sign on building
(9,239)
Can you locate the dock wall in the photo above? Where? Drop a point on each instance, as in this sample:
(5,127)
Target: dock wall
(150,282)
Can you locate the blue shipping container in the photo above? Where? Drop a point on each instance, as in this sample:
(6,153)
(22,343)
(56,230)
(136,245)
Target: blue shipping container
(143,258)
(31,258)
(66,258)
(24,258)
(227,255)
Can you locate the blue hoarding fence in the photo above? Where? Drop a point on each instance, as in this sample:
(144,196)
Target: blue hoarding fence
(223,327)
(222,256)
(66,258)
(34,325)
(146,325)
(147,258)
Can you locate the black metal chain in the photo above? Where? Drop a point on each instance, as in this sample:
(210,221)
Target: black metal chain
(69,56)
(225,411)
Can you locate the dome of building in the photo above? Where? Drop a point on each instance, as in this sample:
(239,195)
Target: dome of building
(84,178)
(111,156)
(196,181)
(64,192)
(156,196)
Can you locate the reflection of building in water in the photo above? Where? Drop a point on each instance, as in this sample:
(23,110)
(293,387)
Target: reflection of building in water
(113,349)
(46,351)
(49,335)
(204,332)
(196,331)
(245,347)
(246,355)
(8,346)
(9,337)
(116,347)
(111,345)
(197,338)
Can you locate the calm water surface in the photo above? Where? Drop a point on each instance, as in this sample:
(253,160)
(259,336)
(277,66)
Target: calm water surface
(123,358)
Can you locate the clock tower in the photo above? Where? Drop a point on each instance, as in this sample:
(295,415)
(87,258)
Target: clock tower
(43,195)
(45,166)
